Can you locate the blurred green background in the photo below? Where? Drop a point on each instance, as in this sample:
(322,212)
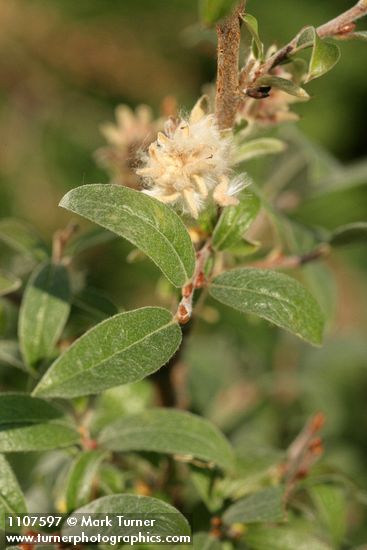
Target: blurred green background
(64,66)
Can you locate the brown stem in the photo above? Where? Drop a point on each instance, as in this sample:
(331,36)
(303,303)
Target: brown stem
(60,240)
(332,28)
(184,310)
(336,25)
(228,32)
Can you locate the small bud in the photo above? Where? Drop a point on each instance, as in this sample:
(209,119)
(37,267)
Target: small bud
(182,316)
(187,290)
(317,422)
(200,280)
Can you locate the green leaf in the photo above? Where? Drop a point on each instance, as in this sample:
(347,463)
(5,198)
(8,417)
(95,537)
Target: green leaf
(331,510)
(258,148)
(204,483)
(273,296)
(38,437)
(44,311)
(10,354)
(89,239)
(8,283)
(261,507)
(349,234)
(144,221)
(244,247)
(324,54)
(120,350)
(22,238)
(20,408)
(169,431)
(234,222)
(253,28)
(204,541)
(213,10)
(11,497)
(81,477)
(283,84)
(306,37)
(282,538)
(168,520)
(94,304)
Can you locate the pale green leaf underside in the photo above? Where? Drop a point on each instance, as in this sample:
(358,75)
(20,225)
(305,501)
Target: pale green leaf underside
(253,28)
(234,222)
(38,437)
(120,350)
(8,283)
(44,311)
(81,476)
(324,54)
(169,431)
(11,497)
(264,506)
(148,224)
(273,296)
(169,521)
(285,85)
(258,148)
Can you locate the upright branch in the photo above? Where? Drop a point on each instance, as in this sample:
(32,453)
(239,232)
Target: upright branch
(343,23)
(228,32)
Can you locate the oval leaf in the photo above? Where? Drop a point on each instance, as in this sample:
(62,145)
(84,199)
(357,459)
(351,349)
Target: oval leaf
(283,84)
(169,521)
(11,497)
(324,54)
(44,311)
(258,148)
(253,28)
(8,283)
(120,350)
(169,431)
(147,223)
(81,476)
(38,437)
(264,506)
(20,408)
(234,222)
(273,296)
(22,238)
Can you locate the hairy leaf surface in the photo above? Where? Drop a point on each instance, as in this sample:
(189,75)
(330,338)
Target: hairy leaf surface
(11,497)
(44,311)
(169,431)
(120,350)
(144,221)
(273,296)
